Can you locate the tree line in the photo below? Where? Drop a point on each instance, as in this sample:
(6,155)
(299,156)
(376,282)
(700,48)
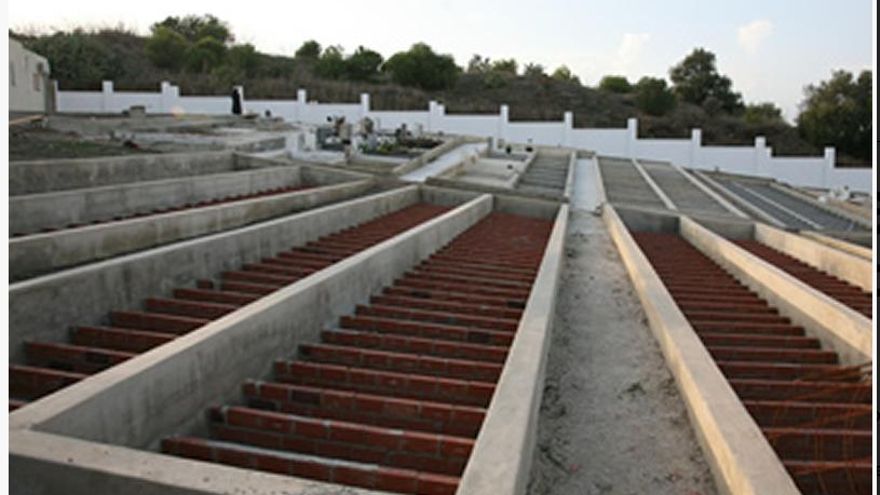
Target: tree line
(833,112)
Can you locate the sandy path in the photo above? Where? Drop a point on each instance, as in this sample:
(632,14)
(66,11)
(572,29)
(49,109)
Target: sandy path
(612,420)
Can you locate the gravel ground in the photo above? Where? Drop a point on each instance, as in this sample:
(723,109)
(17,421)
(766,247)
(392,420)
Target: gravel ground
(612,420)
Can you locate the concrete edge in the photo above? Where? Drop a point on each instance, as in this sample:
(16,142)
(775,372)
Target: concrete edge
(836,325)
(53,412)
(741,459)
(783,188)
(569,178)
(428,156)
(600,182)
(45,253)
(849,267)
(483,188)
(711,193)
(840,245)
(500,462)
(69,465)
(530,158)
(754,210)
(656,187)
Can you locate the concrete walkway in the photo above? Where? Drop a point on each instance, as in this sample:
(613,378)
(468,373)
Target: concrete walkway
(585,195)
(612,420)
(445,161)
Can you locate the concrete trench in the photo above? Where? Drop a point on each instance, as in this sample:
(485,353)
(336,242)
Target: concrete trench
(50,366)
(841,290)
(815,412)
(399,389)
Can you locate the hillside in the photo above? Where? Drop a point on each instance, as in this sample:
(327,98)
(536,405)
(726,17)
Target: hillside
(80,60)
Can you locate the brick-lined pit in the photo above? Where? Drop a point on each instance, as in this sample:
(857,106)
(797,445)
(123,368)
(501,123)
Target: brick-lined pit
(174,209)
(815,412)
(845,292)
(393,397)
(50,366)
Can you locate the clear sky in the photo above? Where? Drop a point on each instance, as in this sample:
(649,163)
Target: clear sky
(770,48)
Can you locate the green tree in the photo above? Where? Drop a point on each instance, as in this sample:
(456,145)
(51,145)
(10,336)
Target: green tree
(762,113)
(478,65)
(244,60)
(615,84)
(166,48)
(77,59)
(695,79)
(205,55)
(420,66)
(194,28)
(838,112)
(563,73)
(505,66)
(653,96)
(533,70)
(331,65)
(363,64)
(309,50)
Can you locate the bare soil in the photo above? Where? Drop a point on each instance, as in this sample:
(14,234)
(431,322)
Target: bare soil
(612,420)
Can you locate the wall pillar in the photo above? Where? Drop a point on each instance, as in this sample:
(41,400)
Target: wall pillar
(170,98)
(299,108)
(365,105)
(828,170)
(501,134)
(695,156)
(106,96)
(567,126)
(632,136)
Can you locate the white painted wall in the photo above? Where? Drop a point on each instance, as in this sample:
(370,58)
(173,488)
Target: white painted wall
(28,78)
(757,160)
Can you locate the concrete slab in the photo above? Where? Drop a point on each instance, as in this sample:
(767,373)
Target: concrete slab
(742,460)
(445,161)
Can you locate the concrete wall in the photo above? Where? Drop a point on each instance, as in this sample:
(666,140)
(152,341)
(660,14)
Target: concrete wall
(839,327)
(40,176)
(741,459)
(35,212)
(127,405)
(28,80)
(853,269)
(752,160)
(45,253)
(86,294)
(502,456)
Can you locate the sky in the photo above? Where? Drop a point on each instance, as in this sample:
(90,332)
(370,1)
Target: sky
(771,49)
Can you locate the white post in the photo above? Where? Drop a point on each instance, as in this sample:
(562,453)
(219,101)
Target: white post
(696,146)
(632,136)
(106,96)
(300,107)
(241,96)
(503,122)
(169,98)
(828,169)
(761,166)
(365,105)
(567,126)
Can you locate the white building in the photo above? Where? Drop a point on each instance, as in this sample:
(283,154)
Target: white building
(29,89)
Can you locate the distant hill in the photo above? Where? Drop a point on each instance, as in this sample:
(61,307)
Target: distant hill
(81,60)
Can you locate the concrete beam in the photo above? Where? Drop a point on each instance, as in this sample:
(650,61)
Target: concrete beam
(839,327)
(741,459)
(748,206)
(128,403)
(84,295)
(853,269)
(840,245)
(710,192)
(662,195)
(34,212)
(501,460)
(39,254)
(40,176)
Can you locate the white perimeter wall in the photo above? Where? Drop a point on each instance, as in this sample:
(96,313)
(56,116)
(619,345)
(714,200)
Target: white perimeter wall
(757,160)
